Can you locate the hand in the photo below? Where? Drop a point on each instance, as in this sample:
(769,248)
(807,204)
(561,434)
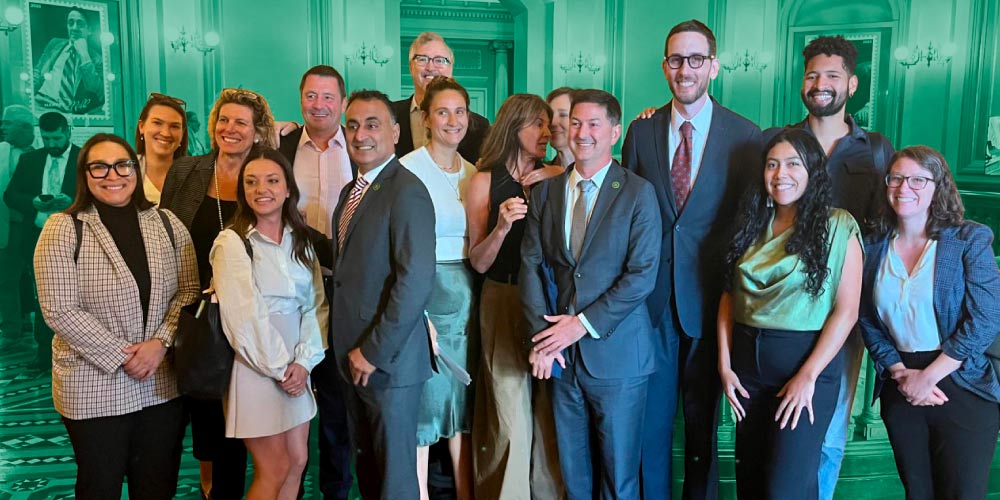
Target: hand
(434,337)
(295,380)
(511,210)
(541,365)
(918,389)
(540,174)
(144,358)
(565,331)
(361,369)
(646,113)
(731,386)
(80,46)
(795,396)
(42,205)
(60,202)
(284,128)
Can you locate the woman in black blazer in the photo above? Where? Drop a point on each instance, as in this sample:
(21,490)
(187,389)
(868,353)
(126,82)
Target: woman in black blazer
(930,308)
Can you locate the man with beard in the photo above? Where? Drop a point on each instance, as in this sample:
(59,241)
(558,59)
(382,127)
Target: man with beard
(430,56)
(856,162)
(43,183)
(699,156)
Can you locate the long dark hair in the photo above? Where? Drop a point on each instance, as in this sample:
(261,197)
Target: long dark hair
(168,102)
(812,215)
(502,143)
(84,198)
(245,217)
(946,208)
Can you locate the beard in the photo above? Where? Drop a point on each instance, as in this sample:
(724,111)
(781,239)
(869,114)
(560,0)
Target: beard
(689,96)
(837,103)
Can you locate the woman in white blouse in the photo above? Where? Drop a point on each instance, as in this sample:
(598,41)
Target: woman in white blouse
(270,292)
(446,404)
(161,136)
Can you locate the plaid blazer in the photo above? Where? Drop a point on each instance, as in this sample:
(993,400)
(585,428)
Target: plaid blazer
(186,186)
(93,307)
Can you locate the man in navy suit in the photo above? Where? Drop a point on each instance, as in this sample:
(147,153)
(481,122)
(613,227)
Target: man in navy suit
(698,155)
(599,230)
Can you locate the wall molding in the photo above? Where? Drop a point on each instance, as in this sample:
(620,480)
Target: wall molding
(455,12)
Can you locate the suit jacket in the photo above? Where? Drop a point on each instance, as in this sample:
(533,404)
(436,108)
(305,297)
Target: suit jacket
(469,147)
(383,277)
(615,274)
(90,85)
(185,186)
(966,306)
(26,184)
(695,240)
(92,304)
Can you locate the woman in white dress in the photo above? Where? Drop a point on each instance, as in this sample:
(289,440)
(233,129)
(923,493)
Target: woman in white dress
(270,292)
(161,136)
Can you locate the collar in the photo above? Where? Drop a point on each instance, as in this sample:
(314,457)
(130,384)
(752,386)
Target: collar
(598,178)
(855,131)
(285,231)
(373,173)
(414,105)
(337,138)
(701,121)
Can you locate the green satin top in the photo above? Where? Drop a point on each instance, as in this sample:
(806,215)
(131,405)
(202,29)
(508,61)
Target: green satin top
(769,289)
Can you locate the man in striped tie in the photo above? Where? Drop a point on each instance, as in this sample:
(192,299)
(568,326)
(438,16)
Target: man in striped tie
(382,277)
(68,76)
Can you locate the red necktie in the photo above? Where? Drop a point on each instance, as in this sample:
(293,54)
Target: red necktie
(680,170)
(353,199)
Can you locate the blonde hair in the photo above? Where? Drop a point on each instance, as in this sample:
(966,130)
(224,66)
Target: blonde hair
(263,120)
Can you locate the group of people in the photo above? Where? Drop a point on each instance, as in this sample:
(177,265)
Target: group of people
(586,296)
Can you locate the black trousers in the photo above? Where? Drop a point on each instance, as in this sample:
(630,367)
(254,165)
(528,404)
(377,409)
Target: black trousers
(942,452)
(775,463)
(335,477)
(228,455)
(143,446)
(698,361)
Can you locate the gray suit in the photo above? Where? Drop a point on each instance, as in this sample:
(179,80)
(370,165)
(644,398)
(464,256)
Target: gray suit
(382,280)
(603,389)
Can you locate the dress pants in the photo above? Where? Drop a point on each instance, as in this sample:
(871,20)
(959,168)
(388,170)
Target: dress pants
(143,446)
(335,477)
(383,425)
(942,452)
(656,470)
(228,455)
(613,410)
(836,436)
(775,463)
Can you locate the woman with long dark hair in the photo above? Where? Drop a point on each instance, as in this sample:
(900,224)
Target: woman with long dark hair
(793,279)
(930,308)
(271,301)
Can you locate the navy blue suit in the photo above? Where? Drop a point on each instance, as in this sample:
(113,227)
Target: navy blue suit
(691,256)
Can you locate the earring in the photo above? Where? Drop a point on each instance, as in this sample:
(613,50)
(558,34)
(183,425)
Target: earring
(770,202)
(142,138)
(256,141)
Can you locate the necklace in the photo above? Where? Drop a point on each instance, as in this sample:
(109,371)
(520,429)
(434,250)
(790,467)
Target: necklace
(448,173)
(218,195)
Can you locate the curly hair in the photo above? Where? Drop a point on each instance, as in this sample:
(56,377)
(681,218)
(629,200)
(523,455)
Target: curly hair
(502,142)
(946,208)
(833,46)
(811,228)
(263,120)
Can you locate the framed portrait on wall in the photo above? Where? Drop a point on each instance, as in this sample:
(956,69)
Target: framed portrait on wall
(71,49)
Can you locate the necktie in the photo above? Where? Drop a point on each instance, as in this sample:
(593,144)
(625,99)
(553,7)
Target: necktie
(680,170)
(54,177)
(67,88)
(578,227)
(353,199)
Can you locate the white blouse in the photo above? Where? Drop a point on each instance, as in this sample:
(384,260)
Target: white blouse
(274,283)
(905,301)
(151,191)
(447,192)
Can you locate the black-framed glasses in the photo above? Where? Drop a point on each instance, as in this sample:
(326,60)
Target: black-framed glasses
(165,97)
(101,170)
(439,61)
(241,92)
(916,182)
(694,61)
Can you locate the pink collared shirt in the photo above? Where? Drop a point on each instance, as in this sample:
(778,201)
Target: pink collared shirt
(321,175)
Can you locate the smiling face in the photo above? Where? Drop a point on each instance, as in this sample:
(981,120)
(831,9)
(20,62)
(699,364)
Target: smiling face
(448,119)
(162,131)
(234,131)
(265,187)
(322,103)
(592,135)
(534,137)
(560,121)
(422,75)
(112,190)
(826,85)
(905,201)
(371,134)
(688,85)
(785,175)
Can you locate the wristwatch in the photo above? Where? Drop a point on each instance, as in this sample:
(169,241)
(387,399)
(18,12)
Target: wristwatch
(165,342)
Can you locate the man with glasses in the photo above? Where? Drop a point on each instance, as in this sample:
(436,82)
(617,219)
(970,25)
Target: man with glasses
(43,183)
(856,162)
(430,56)
(699,156)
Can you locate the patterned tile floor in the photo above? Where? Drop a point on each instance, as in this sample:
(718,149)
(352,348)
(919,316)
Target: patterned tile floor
(36,458)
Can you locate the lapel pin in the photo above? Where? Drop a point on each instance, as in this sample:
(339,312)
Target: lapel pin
(616,185)
(376,186)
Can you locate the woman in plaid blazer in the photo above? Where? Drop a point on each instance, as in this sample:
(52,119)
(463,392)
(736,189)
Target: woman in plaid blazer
(113,273)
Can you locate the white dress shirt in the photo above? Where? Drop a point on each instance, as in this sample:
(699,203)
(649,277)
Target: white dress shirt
(701,123)
(905,301)
(572,194)
(321,175)
(447,192)
(52,181)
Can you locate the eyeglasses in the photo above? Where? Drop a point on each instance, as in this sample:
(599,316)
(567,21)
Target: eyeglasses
(915,182)
(165,97)
(694,61)
(439,61)
(249,94)
(101,170)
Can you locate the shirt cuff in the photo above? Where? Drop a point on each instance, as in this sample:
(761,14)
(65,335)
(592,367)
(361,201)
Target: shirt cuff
(590,329)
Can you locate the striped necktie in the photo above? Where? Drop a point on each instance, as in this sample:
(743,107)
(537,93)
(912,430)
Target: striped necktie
(67,88)
(353,199)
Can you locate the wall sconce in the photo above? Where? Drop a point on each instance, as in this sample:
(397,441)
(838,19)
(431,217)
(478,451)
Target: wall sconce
(369,53)
(581,62)
(180,40)
(911,57)
(12,19)
(747,60)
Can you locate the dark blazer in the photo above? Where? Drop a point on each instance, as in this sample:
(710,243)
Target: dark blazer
(615,273)
(470,146)
(185,186)
(694,240)
(26,184)
(966,306)
(382,279)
